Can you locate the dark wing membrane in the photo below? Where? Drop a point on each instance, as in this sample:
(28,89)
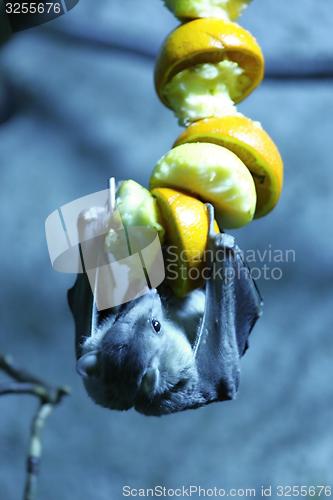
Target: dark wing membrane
(80,300)
(233,305)
(249,303)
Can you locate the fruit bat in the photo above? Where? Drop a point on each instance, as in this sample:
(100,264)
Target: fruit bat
(160,354)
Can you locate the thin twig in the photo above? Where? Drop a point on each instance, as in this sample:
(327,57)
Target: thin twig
(7,365)
(49,397)
(35,448)
(23,388)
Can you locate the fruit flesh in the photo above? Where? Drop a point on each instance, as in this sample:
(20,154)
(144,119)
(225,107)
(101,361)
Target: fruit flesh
(214,174)
(135,208)
(138,207)
(223,9)
(206,90)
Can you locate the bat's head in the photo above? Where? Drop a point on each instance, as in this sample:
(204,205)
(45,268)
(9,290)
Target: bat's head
(140,357)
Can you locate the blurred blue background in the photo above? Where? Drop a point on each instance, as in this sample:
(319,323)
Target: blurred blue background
(77,113)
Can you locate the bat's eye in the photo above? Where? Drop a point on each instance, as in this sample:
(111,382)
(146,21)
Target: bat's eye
(156,325)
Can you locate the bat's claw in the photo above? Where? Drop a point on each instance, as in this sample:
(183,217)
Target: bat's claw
(211,218)
(217,240)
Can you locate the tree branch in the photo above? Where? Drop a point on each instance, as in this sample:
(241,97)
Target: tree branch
(7,365)
(49,397)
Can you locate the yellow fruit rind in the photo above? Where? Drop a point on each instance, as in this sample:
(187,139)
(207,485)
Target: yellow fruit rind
(209,40)
(185,220)
(249,141)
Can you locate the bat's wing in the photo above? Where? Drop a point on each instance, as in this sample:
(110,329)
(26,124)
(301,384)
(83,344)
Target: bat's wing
(249,303)
(87,318)
(81,303)
(91,228)
(233,305)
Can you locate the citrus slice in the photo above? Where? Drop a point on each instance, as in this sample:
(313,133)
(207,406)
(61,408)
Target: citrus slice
(204,61)
(249,141)
(185,220)
(137,207)
(192,9)
(135,219)
(214,174)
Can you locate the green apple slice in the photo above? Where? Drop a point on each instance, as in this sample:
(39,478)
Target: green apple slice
(214,174)
(223,9)
(206,90)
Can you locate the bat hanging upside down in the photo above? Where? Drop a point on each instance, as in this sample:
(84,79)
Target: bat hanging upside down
(160,354)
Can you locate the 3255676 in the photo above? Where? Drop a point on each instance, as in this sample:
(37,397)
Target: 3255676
(33,8)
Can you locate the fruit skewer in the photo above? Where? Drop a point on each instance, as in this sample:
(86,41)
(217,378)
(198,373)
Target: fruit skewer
(205,67)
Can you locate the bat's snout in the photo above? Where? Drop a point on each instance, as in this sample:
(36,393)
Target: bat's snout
(87,365)
(113,379)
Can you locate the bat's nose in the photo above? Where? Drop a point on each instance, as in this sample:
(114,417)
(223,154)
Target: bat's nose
(121,374)
(87,365)
(108,385)
(150,382)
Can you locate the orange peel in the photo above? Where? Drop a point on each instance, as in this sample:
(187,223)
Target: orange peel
(209,41)
(185,220)
(249,141)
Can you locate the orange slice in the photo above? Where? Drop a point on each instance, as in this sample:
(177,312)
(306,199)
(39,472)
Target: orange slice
(215,175)
(209,40)
(249,141)
(185,220)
